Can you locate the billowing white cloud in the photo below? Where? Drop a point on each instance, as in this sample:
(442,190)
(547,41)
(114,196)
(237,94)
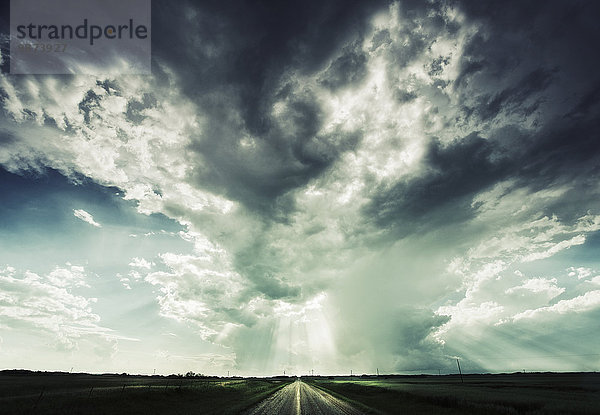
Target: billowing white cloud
(140,263)
(73,276)
(202,289)
(536,286)
(586,302)
(86,217)
(580,272)
(47,306)
(125,281)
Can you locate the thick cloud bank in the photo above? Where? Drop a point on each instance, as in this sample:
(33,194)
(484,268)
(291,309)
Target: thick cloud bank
(358,185)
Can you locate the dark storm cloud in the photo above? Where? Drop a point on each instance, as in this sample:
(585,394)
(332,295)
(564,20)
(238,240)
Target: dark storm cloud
(4,38)
(455,173)
(135,107)
(348,69)
(405,96)
(252,263)
(412,328)
(565,152)
(513,99)
(260,173)
(437,66)
(259,101)
(248,44)
(92,101)
(6,137)
(233,60)
(544,54)
(524,65)
(87,105)
(468,68)
(269,284)
(530,45)
(587,106)
(560,154)
(285,159)
(241,60)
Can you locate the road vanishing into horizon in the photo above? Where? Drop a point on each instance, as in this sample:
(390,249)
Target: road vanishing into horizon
(300,398)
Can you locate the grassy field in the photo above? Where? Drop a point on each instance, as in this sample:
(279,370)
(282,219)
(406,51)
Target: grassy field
(113,394)
(535,393)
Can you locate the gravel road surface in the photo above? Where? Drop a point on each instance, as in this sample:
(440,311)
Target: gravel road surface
(300,398)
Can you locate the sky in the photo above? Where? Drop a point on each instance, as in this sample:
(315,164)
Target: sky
(314,185)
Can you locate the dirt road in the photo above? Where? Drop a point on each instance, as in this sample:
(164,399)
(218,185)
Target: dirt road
(300,398)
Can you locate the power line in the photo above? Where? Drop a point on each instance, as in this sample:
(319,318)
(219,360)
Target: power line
(460,371)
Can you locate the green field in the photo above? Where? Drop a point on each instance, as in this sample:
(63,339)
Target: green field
(535,393)
(56,393)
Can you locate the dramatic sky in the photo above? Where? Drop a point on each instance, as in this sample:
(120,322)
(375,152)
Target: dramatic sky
(327,185)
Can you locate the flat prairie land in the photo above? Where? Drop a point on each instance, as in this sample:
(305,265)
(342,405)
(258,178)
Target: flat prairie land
(63,393)
(23,392)
(518,393)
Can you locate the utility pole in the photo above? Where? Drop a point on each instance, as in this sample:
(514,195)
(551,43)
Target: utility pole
(377,372)
(460,371)
(228,373)
(283,372)
(350,372)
